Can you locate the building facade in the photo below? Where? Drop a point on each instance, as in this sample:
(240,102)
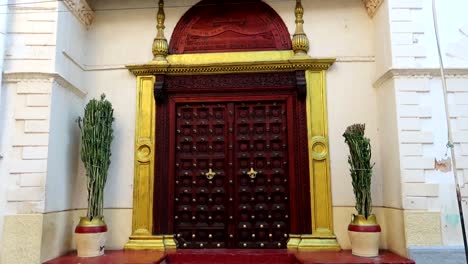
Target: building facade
(372,62)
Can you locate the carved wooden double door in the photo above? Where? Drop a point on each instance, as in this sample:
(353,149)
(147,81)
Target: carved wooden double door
(231,173)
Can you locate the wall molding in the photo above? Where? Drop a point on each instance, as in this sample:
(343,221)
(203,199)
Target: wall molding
(43,76)
(355,59)
(85,14)
(81,10)
(372,6)
(419,73)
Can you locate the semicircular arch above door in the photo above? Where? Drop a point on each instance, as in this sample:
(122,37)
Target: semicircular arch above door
(230,26)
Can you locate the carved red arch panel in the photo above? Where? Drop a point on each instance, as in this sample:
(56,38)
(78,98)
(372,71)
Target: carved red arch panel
(229,26)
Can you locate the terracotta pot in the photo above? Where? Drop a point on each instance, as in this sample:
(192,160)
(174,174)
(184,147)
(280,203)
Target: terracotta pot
(90,237)
(364,235)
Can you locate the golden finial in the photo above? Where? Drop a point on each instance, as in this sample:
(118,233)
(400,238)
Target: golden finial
(160,46)
(300,42)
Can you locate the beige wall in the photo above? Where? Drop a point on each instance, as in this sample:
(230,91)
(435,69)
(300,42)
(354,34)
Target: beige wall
(58,230)
(389,145)
(36,238)
(390,220)
(351,97)
(22,239)
(350,77)
(63,150)
(124,37)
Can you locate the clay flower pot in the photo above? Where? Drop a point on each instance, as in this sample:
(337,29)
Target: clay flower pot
(364,235)
(90,237)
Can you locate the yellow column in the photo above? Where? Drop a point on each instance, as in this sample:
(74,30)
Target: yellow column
(145,132)
(322,237)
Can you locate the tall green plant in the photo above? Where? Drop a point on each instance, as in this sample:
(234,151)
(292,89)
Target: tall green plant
(359,160)
(96,136)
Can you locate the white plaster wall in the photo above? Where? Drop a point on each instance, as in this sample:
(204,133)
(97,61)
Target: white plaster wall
(63,151)
(389,145)
(3,112)
(70,47)
(5,148)
(452,19)
(422,126)
(31,37)
(351,99)
(382,40)
(29,49)
(413,35)
(124,37)
(352,36)
(67,103)
(119,87)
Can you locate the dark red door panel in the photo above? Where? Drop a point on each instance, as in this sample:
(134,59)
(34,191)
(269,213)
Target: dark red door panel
(261,175)
(231,174)
(200,176)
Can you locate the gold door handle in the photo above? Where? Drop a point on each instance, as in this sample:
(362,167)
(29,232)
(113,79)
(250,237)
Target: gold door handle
(252,173)
(210,174)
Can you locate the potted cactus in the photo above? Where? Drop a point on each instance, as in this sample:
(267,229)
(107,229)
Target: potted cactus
(364,231)
(96,136)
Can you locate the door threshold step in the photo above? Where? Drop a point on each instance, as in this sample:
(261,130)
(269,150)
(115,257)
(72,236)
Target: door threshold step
(231,256)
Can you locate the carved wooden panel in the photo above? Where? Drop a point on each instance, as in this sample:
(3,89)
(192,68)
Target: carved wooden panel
(246,82)
(231,175)
(261,172)
(200,186)
(220,26)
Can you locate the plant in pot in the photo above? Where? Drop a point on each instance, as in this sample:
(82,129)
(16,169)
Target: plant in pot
(96,136)
(364,231)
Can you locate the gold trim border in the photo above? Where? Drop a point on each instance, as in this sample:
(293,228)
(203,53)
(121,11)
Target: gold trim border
(322,237)
(231,62)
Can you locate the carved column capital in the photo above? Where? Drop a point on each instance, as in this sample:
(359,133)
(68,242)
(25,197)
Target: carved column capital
(372,6)
(300,42)
(160,45)
(82,11)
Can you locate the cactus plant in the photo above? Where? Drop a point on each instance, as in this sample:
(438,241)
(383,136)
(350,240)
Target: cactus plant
(96,136)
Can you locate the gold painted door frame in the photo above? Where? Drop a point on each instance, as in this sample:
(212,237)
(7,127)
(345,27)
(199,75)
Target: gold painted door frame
(322,237)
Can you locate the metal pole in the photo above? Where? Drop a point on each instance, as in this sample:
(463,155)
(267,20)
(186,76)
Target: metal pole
(449,128)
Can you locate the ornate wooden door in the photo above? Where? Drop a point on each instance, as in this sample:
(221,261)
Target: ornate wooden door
(231,174)
(201,186)
(261,175)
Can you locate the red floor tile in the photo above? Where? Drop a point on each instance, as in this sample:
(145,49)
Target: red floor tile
(231,256)
(114,257)
(345,256)
(235,256)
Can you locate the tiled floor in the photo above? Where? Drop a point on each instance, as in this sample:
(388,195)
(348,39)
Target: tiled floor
(231,257)
(114,257)
(345,256)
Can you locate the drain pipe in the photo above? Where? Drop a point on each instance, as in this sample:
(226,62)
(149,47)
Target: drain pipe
(449,129)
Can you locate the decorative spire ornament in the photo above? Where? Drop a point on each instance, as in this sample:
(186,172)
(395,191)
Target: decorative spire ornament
(160,46)
(300,42)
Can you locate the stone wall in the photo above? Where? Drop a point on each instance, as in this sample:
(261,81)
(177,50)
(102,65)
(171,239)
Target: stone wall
(3,114)
(40,147)
(412,80)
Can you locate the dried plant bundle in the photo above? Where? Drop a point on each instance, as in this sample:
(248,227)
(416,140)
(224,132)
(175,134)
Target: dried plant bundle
(359,161)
